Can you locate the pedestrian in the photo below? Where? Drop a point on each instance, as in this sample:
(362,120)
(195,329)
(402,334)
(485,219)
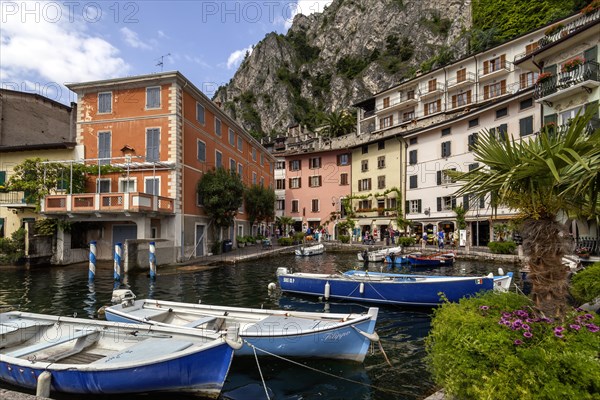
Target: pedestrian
(441,237)
(424,237)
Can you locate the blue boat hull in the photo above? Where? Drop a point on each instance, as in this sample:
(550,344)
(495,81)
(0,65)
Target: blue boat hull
(398,260)
(430,262)
(202,373)
(400,290)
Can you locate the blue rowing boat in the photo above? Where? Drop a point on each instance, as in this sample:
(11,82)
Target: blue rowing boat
(386,288)
(83,356)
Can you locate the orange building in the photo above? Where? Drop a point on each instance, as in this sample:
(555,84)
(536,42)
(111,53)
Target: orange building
(151,138)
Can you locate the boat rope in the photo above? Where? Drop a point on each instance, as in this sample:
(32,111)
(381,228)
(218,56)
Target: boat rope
(374,337)
(382,389)
(259,370)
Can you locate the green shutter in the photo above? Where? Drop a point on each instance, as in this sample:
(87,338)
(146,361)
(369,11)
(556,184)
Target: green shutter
(2,178)
(591,54)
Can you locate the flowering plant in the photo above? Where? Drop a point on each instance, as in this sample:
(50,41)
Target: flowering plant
(590,8)
(582,252)
(572,64)
(553,29)
(543,77)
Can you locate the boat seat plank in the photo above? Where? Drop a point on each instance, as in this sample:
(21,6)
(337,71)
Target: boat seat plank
(147,313)
(146,350)
(34,348)
(14,325)
(200,321)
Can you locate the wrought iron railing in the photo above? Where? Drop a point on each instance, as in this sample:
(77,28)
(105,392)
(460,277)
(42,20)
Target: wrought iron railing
(589,70)
(592,244)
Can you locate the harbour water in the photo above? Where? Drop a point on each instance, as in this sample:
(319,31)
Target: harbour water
(65,291)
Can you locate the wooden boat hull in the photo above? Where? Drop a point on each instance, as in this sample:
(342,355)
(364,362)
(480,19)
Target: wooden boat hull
(279,332)
(145,358)
(399,289)
(431,261)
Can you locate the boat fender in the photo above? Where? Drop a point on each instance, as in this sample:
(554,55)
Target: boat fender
(232,337)
(373,337)
(281,271)
(327,290)
(271,287)
(43,384)
(500,271)
(361,288)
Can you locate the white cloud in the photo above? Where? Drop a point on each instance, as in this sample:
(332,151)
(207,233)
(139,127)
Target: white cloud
(162,34)
(197,60)
(237,57)
(48,53)
(131,38)
(305,7)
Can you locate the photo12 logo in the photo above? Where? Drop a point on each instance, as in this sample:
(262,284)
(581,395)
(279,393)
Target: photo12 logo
(71,11)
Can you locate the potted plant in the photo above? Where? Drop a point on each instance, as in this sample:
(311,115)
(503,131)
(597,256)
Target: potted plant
(241,241)
(553,29)
(583,252)
(591,8)
(544,77)
(572,64)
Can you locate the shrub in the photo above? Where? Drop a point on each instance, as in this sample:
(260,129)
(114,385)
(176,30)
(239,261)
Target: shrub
(585,285)
(217,247)
(477,346)
(502,247)
(285,241)
(406,241)
(344,238)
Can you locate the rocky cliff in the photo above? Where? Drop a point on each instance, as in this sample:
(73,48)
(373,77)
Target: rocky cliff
(330,60)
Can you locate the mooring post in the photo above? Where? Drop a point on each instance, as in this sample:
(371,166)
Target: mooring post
(92,267)
(118,253)
(152,259)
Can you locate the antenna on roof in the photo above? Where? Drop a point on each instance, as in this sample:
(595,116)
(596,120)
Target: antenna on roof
(161,61)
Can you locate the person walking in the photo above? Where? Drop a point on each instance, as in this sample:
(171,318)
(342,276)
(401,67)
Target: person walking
(441,237)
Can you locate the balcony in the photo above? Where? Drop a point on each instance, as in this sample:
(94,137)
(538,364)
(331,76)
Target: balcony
(87,203)
(430,91)
(464,81)
(495,71)
(14,200)
(565,84)
(401,102)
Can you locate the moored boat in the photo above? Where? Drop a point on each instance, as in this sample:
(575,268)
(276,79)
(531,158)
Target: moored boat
(421,290)
(432,260)
(377,255)
(84,356)
(310,250)
(281,332)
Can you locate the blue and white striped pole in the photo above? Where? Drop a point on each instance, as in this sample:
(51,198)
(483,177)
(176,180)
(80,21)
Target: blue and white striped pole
(92,267)
(118,253)
(152,259)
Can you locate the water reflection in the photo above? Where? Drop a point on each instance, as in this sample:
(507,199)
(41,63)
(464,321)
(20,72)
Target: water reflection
(65,290)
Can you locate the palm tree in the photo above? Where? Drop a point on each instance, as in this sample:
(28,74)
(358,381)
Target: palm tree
(552,175)
(285,222)
(338,123)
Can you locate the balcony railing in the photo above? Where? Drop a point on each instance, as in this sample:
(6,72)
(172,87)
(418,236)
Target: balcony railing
(468,79)
(107,202)
(402,101)
(12,198)
(588,71)
(495,70)
(428,91)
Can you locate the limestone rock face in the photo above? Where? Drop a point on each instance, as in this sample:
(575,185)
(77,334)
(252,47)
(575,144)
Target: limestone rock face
(328,61)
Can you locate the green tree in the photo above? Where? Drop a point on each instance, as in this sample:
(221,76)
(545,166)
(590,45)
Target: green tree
(260,203)
(338,123)
(220,193)
(553,172)
(285,223)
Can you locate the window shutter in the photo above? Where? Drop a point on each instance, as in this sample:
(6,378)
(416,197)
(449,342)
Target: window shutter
(439,177)
(503,86)
(502,131)
(591,54)
(503,61)
(406,207)
(454,101)
(486,92)
(523,80)
(550,118)
(453,202)
(439,105)
(439,204)
(486,67)
(482,202)
(466,202)
(2,178)
(468,97)
(594,106)
(419,205)
(320,181)
(551,69)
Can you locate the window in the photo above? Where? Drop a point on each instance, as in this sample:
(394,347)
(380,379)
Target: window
(443,178)
(526,126)
(381,162)
(343,179)
(472,141)
(280,205)
(152,186)
(503,112)
(461,99)
(526,104)
(413,179)
(253,154)
(410,95)
(104,103)
(343,159)
(494,64)
(280,184)
(473,166)
(364,205)
(231,137)
(408,116)
(412,157)
(432,85)
(201,151)
(240,143)
(364,184)
(499,132)
(254,178)
(365,148)
(200,113)
(381,145)
(446,131)
(414,206)
(530,48)
(314,181)
(314,205)
(392,203)
(152,144)
(232,165)
(386,102)
(103,185)
(153,97)
(104,148)
(262,181)
(280,165)
(413,141)
(461,75)
(381,182)
(527,79)
(433,107)
(262,159)
(386,122)
(217,126)
(314,162)
(473,122)
(127,185)
(295,165)
(295,183)
(364,165)
(2,178)
(494,90)
(218,159)
(446,149)
(447,203)
(295,206)
(240,170)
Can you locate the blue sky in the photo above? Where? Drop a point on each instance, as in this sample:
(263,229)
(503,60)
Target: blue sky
(45,44)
